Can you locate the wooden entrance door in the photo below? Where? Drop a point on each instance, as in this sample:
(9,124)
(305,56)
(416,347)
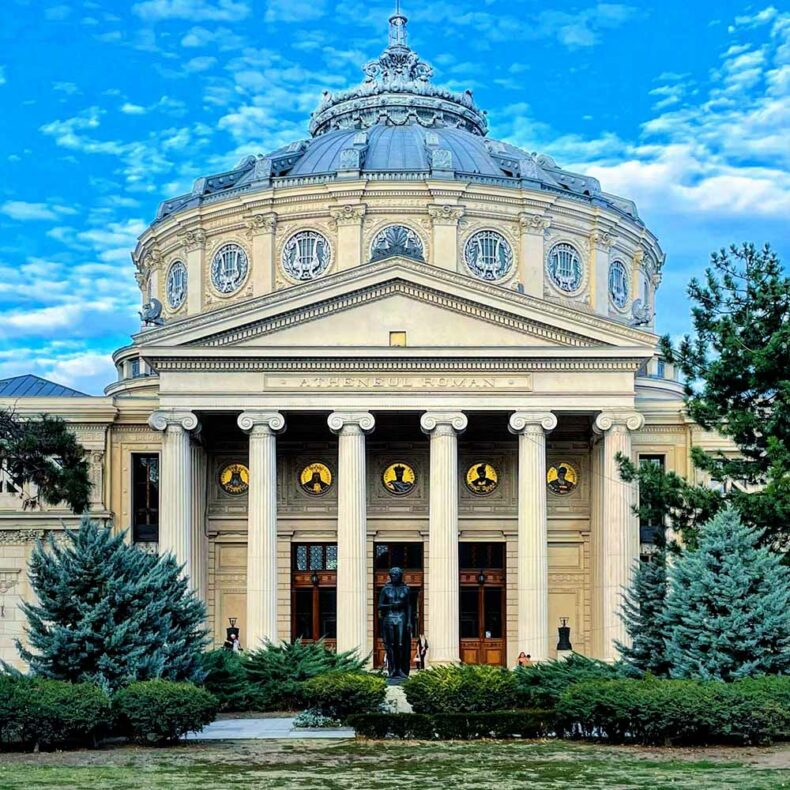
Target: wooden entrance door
(482,603)
(314,593)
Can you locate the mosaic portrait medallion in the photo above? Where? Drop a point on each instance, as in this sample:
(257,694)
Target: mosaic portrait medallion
(482,478)
(234,479)
(562,478)
(399,479)
(315,479)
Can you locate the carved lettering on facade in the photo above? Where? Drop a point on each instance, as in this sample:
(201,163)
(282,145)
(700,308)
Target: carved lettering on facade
(387,383)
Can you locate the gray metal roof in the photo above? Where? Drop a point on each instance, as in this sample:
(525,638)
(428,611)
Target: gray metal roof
(397,125)
(30,386)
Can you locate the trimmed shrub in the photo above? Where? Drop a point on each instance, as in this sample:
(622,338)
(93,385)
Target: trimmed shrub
(227,680)
(541,685)
(277,672)
(452,726)
(41,713)
(462,688)
(340,694)
(156,712)
(673,712)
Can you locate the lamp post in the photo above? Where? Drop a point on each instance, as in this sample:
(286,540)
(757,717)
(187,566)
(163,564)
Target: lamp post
(564,646)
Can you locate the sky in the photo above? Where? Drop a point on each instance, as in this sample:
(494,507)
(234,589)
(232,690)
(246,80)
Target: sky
(108,107)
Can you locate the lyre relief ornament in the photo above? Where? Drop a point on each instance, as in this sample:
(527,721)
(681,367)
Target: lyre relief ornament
(482,478)
(399,479)
(234,479)
(315,479)
(562,478)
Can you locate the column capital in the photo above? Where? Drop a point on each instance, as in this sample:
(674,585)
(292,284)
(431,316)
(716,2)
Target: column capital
(270,421)
(528,421)
(162,420)
(363,421)
(455,421)
(606,420)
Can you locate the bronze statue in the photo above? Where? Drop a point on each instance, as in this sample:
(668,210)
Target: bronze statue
(395,614)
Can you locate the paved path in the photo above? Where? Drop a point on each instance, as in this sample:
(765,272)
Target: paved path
(257,729)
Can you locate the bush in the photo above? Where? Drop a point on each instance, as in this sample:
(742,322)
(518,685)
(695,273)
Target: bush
(36,712)
(340,694)
(155,712)
(670,712)
(462,688)
(540,685)
(226,679)
(452,726)
(277,672)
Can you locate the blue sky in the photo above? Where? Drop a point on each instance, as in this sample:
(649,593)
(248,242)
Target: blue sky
(107,107)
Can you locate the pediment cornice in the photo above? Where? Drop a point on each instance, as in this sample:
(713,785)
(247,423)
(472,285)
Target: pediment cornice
(261,316)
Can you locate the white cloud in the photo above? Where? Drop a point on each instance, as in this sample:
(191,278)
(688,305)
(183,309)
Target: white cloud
(221,38)
(193,10)
(2,75)
(200,64)
(132,109)
(23,211)
(294,10)
(57,13)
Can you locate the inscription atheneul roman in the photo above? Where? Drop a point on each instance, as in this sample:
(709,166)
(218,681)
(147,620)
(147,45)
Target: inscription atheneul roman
(401,382)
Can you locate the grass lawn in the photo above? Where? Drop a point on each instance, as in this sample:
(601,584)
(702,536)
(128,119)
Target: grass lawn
(345,765)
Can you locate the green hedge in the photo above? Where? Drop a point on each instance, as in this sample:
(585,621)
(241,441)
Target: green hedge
(462,688)
(277,673)
(40,713)
(226,679)
(155,712)
(540,685)
(452,726)
(340,694)
(673,712)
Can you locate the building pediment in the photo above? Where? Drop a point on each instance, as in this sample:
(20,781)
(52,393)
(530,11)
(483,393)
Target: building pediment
(362,306)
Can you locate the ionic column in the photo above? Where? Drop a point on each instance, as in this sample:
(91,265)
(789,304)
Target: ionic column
(443,586)
(262,428)
(199,563)
(619,527)
(530,270)
(261,230)
(348,220)
(352,522)
(445,221)
(533,549)
(176,489)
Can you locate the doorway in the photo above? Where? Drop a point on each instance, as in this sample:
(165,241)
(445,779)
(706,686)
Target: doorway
(482,603)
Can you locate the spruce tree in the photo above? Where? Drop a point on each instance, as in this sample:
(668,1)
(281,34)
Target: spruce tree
(642,614)
(110,613)
(727,613)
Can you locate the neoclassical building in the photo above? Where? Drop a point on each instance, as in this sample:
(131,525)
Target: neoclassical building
(394,342)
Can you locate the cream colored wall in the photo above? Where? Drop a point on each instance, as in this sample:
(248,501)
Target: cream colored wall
(444,215)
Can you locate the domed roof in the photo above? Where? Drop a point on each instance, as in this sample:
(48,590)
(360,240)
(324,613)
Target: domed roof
(397,125)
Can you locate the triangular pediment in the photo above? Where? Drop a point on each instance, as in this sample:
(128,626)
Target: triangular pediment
(360,308)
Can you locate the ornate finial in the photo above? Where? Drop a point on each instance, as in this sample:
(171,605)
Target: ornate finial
(398,28)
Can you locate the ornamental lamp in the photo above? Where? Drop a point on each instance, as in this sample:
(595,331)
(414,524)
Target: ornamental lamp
(564,643)
(314,578)
(481,578)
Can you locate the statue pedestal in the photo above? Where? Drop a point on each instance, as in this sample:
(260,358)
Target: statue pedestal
(396,699)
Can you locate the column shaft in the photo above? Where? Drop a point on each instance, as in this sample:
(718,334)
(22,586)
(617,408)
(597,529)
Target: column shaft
(533,559)
(443,580)
(199,577)
(620,532)
(176,501)
(352,577)
(261,625)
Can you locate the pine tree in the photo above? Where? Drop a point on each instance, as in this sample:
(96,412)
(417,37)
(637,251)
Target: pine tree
(642,612)
(46,453)
(110,613)
(727,612)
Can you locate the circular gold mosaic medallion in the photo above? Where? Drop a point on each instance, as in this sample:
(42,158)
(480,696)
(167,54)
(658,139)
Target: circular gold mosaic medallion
(482,478)
(315,479)
(399,479)
(562,478)
(234,479)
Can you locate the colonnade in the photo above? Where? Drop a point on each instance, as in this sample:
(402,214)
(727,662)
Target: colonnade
(615,538)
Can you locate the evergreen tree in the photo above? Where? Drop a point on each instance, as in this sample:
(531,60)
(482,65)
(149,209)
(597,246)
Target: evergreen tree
(46,453)
(727,612)
(642,612)
(110,613)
